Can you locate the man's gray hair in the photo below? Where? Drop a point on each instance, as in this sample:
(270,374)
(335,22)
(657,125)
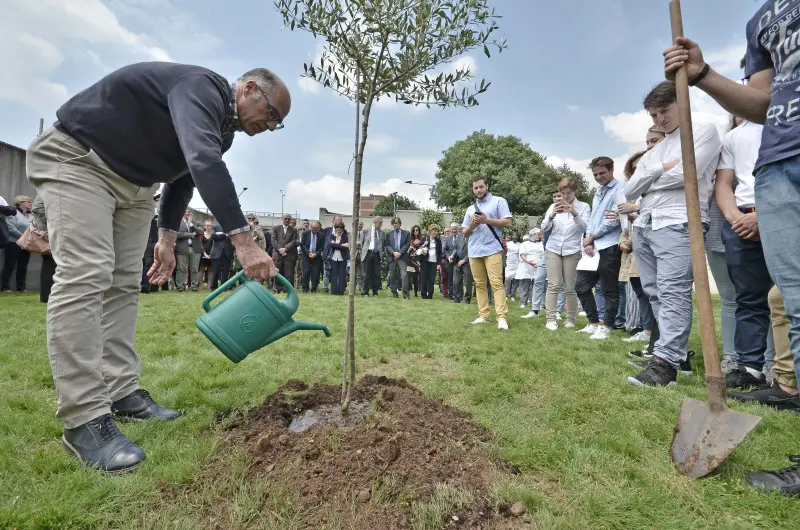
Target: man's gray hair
(264,78)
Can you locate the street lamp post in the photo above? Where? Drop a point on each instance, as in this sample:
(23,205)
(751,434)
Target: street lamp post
(282,196)
(243,190)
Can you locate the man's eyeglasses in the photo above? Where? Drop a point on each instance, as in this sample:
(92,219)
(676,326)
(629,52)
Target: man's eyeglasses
(273,113)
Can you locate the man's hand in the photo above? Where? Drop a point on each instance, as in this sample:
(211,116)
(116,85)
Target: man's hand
(587,241)
(589,249)
(163,258)
(312,255)
(625,247)
(627,208)
(683,52)
(256,263)
(282,251)
(396,255)
(479,218)
(461,263)
(746,227)
(450,259)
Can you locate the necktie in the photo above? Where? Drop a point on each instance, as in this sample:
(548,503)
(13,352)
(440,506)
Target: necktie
(397,239)
(313,241)
(375,239)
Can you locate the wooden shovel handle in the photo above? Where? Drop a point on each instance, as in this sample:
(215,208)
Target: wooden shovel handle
(708,334)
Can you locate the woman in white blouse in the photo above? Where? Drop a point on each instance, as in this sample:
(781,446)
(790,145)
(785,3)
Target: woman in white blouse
(531,256)
(512,264)
(567,218)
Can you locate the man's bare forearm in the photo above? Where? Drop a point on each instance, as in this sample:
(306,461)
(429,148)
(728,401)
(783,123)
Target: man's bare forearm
(167,236)
(747,102)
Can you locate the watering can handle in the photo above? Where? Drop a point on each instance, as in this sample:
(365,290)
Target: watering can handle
(291,299)
(239,276)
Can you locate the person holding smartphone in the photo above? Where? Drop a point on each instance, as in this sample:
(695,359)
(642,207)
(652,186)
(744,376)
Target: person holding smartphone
(568,218)
(483,224)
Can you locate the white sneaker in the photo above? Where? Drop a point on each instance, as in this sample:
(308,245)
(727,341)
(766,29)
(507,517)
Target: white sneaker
(558,316)
(531,314)
(522,306)
(552,326)
(602,333)
(480,320)
(582,313)
(502,325)
(638,337)
(513,299)
(569,325)
(591,329)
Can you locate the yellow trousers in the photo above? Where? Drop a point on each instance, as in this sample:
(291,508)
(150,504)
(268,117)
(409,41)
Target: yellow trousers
(784,360)
(491,266)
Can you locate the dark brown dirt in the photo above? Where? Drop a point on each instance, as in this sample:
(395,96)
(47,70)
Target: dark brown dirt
(375,473)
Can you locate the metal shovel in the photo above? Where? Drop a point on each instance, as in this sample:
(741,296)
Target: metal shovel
(706,433)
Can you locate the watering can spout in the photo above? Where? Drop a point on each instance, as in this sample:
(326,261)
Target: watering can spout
(311,326)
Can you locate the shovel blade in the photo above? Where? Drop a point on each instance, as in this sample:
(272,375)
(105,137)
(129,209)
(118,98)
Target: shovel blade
(705,437)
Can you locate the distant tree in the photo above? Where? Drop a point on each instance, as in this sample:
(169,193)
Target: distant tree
(519,226)
(397,49)
(458,214)
(513,170)
(386,206)
(430,217)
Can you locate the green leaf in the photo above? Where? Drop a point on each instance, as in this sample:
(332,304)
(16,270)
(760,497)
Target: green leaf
(486,50)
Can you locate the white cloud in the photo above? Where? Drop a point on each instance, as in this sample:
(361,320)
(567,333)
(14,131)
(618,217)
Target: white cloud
(417,168)
(37,37)
(308,85)
(336,193)
(727,61)
(573,108)
(628,127)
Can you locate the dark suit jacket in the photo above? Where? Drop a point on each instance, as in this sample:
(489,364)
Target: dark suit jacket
(425,243)
(287,239)
(186,231)
(222,243)
(338,246)
(268,238)
(449,246)
(319,244)
(461,249)
(389,244)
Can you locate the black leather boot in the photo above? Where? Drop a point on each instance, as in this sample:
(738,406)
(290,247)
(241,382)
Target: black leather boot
(100,444)
(139,406)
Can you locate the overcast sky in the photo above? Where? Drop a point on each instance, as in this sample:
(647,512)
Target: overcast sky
(570,84)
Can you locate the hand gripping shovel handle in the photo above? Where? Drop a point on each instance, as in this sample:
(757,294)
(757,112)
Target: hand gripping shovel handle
(708,334)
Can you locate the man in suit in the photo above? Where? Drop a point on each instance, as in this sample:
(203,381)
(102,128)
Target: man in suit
(370,244)
(221,256)
(450,244)
(326,255)
(356,255)
(187,259)
(462,274)
(313,245)
(396,243)
(149,251)
(284,242)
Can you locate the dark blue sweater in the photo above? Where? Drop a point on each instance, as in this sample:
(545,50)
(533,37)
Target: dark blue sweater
(162,122)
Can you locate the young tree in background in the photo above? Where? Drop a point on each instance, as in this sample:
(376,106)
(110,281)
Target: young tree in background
(391,48)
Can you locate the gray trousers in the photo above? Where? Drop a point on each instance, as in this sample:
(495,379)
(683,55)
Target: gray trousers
(525,291)
(665,269)
(399,267)
(185,264)
(462,282)
(326,274)
(98,225)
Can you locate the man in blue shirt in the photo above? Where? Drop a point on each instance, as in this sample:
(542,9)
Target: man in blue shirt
(98,167)
(769,97)
(483,224)
(602,237)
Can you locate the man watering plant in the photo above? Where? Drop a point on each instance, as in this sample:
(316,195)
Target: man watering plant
(97,169)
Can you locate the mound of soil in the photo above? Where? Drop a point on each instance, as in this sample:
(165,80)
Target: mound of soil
(402,460)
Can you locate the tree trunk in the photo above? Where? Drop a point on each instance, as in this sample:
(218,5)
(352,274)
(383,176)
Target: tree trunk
(350,352)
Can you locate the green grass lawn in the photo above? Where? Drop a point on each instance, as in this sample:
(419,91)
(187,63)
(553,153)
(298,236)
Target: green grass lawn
(593,449)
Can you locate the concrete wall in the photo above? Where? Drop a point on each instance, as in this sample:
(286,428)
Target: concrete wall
(408,217)
(14,181)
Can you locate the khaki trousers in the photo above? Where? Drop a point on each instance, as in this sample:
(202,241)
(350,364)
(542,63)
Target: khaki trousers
(491,266)
(784,360)
(561,269)
(98,225)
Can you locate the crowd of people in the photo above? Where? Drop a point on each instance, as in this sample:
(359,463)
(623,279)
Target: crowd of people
(631,243)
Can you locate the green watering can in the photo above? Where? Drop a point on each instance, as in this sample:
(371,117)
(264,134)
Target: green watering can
(251,317)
